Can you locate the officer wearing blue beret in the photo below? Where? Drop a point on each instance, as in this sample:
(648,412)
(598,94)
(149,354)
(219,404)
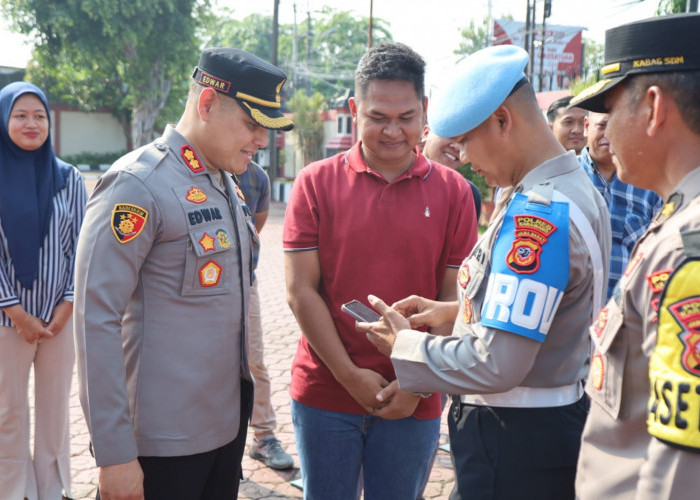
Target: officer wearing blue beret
(642,436)
(163,274)
(527,294)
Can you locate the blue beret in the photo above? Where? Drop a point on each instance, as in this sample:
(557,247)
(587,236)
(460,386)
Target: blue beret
(475,89)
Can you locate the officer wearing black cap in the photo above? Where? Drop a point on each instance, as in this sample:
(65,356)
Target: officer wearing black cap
(642,436)
(163,272)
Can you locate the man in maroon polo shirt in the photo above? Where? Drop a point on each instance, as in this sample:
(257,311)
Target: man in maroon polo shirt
(379,218)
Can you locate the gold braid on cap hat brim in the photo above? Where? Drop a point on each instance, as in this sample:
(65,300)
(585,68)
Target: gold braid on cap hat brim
(265,120)
(586,93)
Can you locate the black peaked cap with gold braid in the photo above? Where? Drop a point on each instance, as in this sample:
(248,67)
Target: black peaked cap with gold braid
(655,45)
(254,83)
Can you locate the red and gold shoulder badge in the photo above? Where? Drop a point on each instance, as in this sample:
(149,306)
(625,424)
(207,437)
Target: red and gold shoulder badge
(196,195)
(531,233)
(191,159)
(128,221)
(240,193)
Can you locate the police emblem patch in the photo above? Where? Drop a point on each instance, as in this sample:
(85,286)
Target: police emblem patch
(222,237)
(128,221)
(196,195)
(191,159)
(210,274)
(687,314)
(207,242)
(531,233)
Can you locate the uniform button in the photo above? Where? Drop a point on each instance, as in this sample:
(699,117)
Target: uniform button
(160,146)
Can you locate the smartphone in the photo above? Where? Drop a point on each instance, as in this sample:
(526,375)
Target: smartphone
(360,312)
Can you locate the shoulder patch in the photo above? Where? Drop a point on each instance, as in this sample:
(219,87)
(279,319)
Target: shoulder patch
(529,268)
(674,365)
(128,221)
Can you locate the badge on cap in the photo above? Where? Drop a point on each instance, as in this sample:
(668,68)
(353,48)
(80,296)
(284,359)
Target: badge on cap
(128,221)
(191,159)
(209,274)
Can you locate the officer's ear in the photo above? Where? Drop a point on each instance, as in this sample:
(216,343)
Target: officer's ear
(504,118)
(206,103)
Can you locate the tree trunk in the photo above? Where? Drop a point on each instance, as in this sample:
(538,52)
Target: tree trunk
(148,104)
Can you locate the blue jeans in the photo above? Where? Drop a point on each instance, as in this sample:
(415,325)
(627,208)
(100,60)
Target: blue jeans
(334,447)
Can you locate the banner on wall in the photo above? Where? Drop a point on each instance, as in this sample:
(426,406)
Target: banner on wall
(563,50)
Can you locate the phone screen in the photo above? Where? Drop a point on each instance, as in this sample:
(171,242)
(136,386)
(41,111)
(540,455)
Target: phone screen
(360,312)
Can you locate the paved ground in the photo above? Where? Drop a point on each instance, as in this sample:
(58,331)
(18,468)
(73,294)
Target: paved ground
(281,336)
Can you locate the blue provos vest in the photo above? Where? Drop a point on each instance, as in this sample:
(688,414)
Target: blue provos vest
(529,267)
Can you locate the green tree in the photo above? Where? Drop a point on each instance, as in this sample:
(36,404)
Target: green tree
(592,57)
(124,54)
(473,38)
(670,7)
(326,54)
(308,125)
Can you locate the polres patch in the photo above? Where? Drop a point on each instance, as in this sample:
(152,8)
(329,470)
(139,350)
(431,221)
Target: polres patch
(531,233)
(128,221)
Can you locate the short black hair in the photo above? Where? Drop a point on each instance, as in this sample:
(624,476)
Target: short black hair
(683,87)
(390,61)
(553,109)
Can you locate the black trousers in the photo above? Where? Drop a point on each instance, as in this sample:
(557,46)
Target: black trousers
(515,453)
(212,475)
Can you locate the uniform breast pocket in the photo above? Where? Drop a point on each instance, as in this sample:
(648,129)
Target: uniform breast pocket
(211,259)
(605,379)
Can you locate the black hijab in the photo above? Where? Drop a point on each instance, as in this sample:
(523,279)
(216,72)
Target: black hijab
(28,182)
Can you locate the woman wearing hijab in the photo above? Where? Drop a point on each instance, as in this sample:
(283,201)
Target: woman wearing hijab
(42,203)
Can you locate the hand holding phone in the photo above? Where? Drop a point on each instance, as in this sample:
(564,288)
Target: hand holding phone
(360,312)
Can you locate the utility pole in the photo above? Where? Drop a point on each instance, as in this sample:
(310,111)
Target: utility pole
(528,70)
(308,52)
(371,19)
(272,134)
(547,11)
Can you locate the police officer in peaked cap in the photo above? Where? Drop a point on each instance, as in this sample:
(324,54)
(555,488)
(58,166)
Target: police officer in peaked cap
(642,436)
(163,272)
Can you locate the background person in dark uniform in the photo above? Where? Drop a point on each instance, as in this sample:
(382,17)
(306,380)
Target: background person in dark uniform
(526,294)
(642,439)
(163,273)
